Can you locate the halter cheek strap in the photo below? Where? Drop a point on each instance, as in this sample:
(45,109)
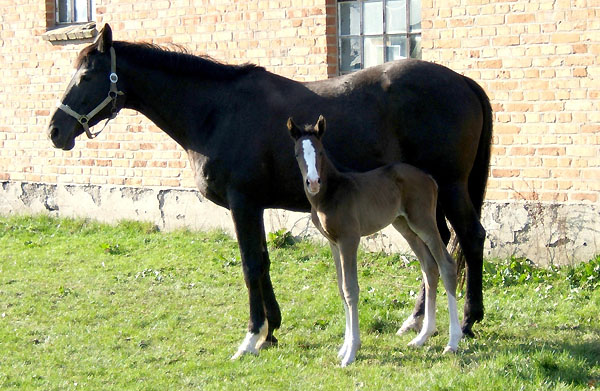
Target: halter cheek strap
(113,92)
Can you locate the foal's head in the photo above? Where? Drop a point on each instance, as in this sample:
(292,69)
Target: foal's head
(309,152)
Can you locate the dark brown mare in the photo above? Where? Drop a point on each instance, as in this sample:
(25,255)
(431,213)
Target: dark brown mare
(348,205)
(231,122)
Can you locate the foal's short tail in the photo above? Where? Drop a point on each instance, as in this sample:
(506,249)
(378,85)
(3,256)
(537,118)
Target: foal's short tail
(480,172)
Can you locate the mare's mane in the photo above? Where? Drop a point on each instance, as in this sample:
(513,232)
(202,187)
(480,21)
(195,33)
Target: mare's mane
(176,60)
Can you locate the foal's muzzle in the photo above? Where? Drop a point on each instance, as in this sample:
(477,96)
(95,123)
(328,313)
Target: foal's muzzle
(313,186)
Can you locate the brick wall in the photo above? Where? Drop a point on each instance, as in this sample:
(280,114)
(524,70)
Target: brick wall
(538,61)
(294,38)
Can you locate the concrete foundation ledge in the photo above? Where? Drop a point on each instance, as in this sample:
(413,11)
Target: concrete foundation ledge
(545,233)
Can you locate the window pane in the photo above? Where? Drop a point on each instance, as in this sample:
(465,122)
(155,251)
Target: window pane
(373,17)
(349,14)
(81,11)
(350,54)
(396,48)
(374,51)
(415,15)
(63,11)
(415,46)
(395,16)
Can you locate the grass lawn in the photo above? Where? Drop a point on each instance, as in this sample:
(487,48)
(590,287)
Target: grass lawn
(87,306)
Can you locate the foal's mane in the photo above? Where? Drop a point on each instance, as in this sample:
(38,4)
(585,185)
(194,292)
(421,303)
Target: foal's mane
(176,60)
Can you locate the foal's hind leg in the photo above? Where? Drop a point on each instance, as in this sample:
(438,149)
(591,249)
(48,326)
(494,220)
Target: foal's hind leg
(430,281)
(424,226)
(415,320)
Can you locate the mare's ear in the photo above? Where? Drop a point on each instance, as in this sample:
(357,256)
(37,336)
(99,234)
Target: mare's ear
(320,126)
(105,39)
(294,131)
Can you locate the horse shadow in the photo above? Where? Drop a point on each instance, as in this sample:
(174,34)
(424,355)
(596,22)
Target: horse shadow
(538,359)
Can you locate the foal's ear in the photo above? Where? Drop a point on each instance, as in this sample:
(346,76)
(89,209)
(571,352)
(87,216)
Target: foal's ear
(105,39)
(294,131)
(320,126)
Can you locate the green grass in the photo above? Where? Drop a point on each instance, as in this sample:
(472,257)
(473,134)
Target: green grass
(86,306)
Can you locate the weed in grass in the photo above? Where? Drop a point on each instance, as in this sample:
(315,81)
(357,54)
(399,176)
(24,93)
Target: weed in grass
(281,238)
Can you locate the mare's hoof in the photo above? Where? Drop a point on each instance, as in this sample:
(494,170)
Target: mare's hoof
(472,316)
(244,352)
(268,343)
(467,330)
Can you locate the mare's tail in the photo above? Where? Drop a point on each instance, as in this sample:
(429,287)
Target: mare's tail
(480,172)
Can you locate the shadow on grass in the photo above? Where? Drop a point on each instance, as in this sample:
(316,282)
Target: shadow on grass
(542,358)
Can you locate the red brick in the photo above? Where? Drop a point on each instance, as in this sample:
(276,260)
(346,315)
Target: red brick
(537,60)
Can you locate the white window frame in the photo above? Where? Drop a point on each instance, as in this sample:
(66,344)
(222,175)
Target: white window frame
(66,11)
(411,36)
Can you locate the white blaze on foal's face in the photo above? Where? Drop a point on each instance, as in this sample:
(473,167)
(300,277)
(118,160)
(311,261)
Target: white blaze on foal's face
(312,175)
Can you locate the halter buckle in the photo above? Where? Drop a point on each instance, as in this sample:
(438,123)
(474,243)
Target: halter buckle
(113,78)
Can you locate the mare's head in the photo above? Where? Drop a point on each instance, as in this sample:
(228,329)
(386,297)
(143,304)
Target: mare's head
(309,152)
(91,96)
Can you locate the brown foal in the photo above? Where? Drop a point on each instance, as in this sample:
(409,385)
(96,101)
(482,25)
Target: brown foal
(346,206)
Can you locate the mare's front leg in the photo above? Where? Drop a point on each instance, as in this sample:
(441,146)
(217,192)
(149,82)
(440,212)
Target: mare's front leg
(348,285)
(264,310)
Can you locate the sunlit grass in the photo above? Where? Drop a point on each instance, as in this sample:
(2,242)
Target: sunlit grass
(97,307)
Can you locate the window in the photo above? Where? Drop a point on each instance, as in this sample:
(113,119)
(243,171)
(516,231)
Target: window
(74,11)
(372,32)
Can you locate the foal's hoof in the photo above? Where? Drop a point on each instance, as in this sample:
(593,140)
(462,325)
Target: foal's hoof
(412,323)
(346,362)
(450,350)
(417,342)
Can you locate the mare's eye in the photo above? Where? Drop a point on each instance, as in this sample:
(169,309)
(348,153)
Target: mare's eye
(86,77)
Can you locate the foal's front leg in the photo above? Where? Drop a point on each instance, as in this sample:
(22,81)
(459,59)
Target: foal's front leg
(335,252)
(348,285)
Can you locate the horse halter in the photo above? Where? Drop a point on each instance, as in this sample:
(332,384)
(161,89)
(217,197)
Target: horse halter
(113,92)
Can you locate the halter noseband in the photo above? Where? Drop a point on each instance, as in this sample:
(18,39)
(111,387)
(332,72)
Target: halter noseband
(84,119)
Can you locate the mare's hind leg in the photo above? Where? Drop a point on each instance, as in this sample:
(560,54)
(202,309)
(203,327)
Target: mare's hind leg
(430,281)
(415,320)
(471,235)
